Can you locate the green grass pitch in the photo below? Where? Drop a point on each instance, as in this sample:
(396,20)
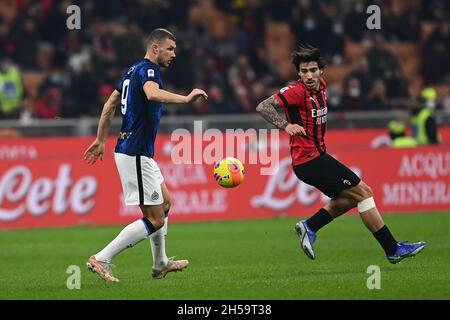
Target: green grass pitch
(233,260)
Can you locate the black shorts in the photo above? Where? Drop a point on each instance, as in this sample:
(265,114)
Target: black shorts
(327,174)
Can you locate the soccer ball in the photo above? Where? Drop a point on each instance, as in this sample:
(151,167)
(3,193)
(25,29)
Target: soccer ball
(229,172)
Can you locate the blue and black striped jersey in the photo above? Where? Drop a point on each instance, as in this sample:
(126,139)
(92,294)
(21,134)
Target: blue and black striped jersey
(140,117)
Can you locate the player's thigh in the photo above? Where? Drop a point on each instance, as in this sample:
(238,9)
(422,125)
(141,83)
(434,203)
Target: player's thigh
(166,196)
(327,174)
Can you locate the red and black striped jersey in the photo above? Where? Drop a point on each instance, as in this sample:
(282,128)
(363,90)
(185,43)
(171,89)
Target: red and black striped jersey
(309,110)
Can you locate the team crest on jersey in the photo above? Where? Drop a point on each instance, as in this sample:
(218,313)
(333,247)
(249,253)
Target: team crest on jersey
(155,196)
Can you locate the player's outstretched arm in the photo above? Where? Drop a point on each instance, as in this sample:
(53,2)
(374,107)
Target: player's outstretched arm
(267,109)
(154,93)
(97,148)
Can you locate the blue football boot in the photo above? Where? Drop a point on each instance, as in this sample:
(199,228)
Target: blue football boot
(307,238)
(405,250)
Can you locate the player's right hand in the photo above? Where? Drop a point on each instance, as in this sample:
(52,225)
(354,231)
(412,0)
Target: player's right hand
(295,130)
(95,151)
(197,95)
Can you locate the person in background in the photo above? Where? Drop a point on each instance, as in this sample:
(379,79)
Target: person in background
(399,139)
(11,90)
(423,122)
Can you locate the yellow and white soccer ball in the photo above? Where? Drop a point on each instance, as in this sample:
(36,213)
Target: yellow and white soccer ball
(229,172)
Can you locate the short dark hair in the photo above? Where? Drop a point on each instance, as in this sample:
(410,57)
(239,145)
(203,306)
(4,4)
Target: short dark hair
(159,35)
(307,54)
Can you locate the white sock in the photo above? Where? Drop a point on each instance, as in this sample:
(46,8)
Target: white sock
(158,244)
(131,235)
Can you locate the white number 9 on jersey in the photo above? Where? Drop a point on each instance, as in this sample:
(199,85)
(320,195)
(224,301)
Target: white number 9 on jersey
(125,86)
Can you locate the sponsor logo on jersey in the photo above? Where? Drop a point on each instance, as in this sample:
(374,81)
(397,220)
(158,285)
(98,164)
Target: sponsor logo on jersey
(124,135)
(283,89)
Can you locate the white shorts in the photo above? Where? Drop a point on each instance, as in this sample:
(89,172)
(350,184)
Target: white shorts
(141,179)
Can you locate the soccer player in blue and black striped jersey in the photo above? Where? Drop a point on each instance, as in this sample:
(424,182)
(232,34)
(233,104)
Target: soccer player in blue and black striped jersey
(141,94)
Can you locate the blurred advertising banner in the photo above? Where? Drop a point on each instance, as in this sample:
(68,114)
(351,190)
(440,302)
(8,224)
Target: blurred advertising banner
(45,182)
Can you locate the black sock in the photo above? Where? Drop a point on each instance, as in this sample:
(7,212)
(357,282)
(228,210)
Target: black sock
(386,240)
(319,220)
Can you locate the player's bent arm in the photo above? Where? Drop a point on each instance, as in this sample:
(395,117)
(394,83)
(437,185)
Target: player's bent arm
(267,109)
(109,109)
(154,93)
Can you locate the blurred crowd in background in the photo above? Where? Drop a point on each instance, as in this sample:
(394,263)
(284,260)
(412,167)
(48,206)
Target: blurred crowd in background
(237,50)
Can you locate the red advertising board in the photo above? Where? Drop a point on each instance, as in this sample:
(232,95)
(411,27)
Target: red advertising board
(45,182)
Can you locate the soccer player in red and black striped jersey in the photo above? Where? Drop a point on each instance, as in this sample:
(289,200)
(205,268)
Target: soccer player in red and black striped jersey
(305,105)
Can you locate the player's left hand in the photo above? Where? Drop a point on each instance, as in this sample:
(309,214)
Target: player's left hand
(95,151)
(197,95)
